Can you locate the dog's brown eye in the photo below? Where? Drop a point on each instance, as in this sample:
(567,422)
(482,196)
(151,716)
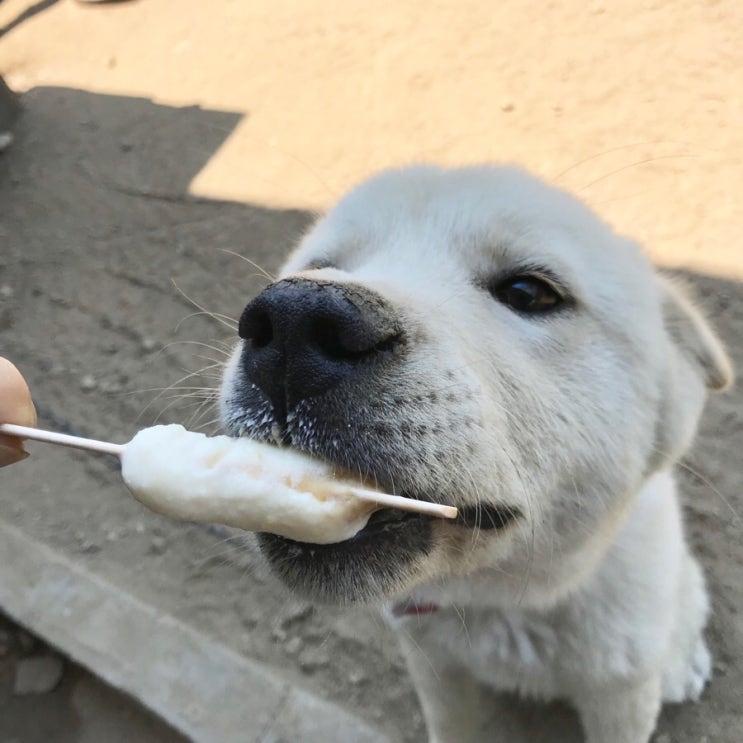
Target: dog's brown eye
(527,294)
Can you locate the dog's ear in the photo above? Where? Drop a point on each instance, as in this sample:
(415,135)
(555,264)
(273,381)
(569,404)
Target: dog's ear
(693,336)
(694,362)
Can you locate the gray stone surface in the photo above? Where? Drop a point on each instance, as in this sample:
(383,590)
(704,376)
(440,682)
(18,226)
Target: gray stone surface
(9,106)
(79,709)
(8,113)
(205,690)
(38,675)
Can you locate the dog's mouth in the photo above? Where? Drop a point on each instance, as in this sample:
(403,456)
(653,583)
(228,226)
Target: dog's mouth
(377,561)
(388,521)
(369,565)
(385,524)
(381,558)
(385,521)
(482,518)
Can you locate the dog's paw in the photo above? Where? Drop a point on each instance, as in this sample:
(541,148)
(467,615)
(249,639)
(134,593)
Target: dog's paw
(700,671)
(689,680)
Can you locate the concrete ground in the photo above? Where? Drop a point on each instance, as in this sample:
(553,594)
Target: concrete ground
(157,135)
(45,697)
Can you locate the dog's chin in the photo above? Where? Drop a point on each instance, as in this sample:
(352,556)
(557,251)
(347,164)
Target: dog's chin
(374,564)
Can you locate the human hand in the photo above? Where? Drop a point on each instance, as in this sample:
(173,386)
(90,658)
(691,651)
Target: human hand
(15,407)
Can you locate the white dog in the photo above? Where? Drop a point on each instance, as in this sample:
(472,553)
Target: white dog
(477,338)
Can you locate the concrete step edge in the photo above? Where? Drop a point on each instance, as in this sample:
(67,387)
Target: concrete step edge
(202,688)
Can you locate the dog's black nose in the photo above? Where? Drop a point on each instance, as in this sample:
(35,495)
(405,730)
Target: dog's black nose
(304,337)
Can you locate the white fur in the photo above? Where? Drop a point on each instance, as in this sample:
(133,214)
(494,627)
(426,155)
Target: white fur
(575,419)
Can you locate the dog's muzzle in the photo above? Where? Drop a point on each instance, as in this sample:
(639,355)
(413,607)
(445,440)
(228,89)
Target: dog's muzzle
(329,359)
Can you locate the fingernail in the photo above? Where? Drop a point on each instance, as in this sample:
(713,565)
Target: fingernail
(31,414)
(25,414)
(11,455)
(17,406)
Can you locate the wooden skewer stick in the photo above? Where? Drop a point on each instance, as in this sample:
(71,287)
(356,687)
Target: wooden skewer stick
(63,439)
(107,447)
(405,504)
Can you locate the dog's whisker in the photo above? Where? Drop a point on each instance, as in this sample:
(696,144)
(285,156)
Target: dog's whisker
(185,389)
(409,637)
(635,164)
(200,423)
(206,408)
(461,614)
(217,364)
(185,377)
(211,392)
(190,375)
(226,320)
(222,351)
(591,158)
(178,384)
(175,397)
(705,480)
(171,405)
(262,271)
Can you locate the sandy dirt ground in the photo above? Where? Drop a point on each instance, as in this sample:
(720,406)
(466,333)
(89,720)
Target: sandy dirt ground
(158,134)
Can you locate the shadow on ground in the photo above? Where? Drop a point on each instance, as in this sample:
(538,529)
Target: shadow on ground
(97,231)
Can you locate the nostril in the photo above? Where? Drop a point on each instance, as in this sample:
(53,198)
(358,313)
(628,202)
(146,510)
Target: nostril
(335,343)
(257,328)
(327,338)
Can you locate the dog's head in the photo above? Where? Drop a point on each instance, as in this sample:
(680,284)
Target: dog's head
(476,338)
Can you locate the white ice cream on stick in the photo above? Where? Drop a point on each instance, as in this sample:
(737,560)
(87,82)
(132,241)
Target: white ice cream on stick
(240,483)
